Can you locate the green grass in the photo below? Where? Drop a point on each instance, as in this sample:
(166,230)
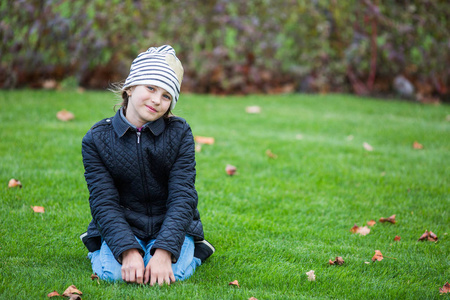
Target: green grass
(271,223)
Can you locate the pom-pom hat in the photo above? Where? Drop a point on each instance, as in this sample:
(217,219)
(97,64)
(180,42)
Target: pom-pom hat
(157,66)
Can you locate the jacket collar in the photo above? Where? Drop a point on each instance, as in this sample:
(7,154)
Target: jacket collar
(121,125)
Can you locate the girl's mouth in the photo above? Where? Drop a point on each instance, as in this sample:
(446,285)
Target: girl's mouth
(151,108)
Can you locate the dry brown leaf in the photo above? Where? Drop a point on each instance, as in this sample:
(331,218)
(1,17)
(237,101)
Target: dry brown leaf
(338,261)
(378,256)
(65,115)
(417,145)
(367,146)
(14,183)
(71,290)
(231,170)
(391,219)
(397,238)
(252,298)
(95,276)
(428,235)
(253,109)
(74,297)
(204,140)
(38,209)
(371,223)
(361,230)
(53,294)
(198,147)
(235,282)
(445,289)
(354,229)
(270,154)
(311,275)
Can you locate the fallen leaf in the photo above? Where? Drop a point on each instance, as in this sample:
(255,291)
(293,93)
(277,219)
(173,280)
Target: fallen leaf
(14,182)
(235,282)
(65,115)
(198,147)
(361,230)
(367,146)
(371,223)
(270,154)
(231,170)
(299,136)
(367,262)
(311,275)
(53,294)
(428,235)
(252,298)
(38,209)
(397,238)
(391,219)
(338,261)
(350,138)
(74,297)
(204,140)
(378,256)
(253,109)
(417,145)
(71,290)
(95,276)
(445,289)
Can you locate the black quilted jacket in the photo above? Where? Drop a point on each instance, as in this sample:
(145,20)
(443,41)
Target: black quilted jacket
(142,183)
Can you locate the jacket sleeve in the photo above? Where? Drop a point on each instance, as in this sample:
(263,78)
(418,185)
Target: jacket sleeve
(104,202)
(182,198)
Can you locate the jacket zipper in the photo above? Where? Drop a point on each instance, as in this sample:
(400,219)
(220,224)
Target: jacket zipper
(138,136)
(143,175)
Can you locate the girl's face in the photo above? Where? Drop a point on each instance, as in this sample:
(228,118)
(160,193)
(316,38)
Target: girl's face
(147,103)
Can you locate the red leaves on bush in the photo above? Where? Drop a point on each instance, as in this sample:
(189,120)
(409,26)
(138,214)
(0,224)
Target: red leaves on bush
(14,183)
(391,219)
(428,235)
(338,261)
(445,289)
(235,283)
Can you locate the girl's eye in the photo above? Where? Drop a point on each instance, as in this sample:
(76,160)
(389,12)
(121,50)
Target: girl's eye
(150,88)
(167,97)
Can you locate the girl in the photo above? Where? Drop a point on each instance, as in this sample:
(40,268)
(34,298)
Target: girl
(140,172)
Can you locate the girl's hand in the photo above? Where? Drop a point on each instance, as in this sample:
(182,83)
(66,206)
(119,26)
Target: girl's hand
(132,266)
(159,268)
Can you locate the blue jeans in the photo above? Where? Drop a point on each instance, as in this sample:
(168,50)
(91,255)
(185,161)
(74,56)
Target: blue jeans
(108,268)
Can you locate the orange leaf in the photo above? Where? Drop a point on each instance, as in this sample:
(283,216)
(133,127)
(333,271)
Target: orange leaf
(231,170)
(14,182)
(270,154)
(354,229)
(235,282)
(38,209)
(252,298)
(338,261)
(53,294)
(391,219)
(71,290)
(361,230)
(95,276)
(65,115)
(371,223)
(397,238)
(378,256)
(445,288)
(428,235)
(204,140)
(417,146)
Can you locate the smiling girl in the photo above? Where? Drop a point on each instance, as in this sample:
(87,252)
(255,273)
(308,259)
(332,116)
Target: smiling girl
(140,172)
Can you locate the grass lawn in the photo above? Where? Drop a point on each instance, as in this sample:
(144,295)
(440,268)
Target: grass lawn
(272,222)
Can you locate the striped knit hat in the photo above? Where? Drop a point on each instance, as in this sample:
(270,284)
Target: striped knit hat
(157,66)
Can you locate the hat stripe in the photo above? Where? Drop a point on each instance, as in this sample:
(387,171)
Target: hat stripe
(154,67)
